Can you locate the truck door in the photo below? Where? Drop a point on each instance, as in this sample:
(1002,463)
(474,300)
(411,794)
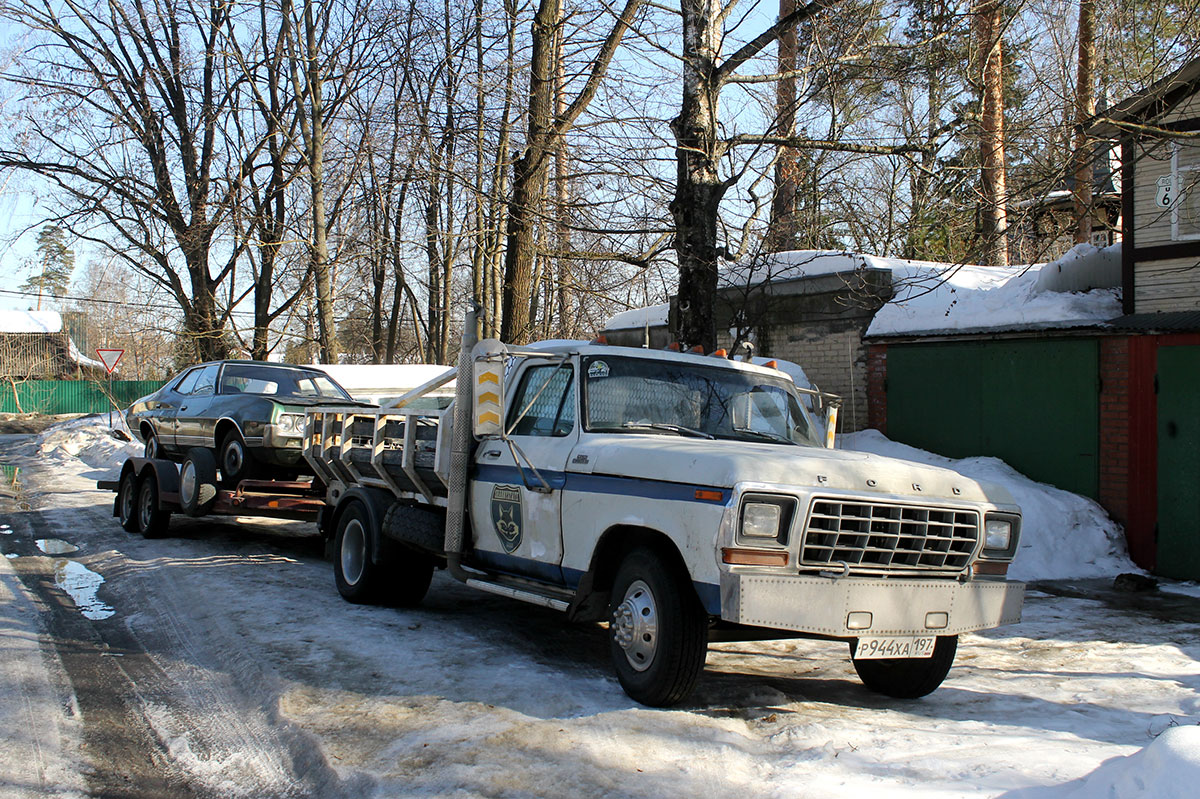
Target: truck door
(516,498)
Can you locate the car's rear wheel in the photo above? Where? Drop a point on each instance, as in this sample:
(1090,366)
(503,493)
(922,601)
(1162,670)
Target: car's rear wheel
(152,449)
(235,460)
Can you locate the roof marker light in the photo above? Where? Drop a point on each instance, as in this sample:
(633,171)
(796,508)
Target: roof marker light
(720,354)
(771,364)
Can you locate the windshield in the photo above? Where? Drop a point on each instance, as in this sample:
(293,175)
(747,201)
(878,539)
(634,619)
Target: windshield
(642,395)
(279,381)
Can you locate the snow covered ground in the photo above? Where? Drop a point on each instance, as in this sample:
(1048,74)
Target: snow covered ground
(253,678)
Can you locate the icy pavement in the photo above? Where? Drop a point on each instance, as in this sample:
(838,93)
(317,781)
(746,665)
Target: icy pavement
(251,677)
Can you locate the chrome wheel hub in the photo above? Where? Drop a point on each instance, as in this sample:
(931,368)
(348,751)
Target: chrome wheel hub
(354,552)
(187,482)
(146,507)
(635,625)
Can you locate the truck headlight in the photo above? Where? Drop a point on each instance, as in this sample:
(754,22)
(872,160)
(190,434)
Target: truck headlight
(290,424)
(997,534)
(761,520)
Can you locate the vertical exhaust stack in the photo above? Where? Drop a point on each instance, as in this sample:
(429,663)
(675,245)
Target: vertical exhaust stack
(460,445)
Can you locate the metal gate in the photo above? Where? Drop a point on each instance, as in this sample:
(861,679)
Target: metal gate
(1034,403)
(1178,386)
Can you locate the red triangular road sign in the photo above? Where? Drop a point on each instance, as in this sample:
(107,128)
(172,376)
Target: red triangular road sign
(110,358)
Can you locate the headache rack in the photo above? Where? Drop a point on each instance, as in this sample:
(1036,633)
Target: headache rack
(860,536)
(396,449)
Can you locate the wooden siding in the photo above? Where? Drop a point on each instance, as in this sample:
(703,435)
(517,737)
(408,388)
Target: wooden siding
(1189,109)
(1152,225)
(1164,286)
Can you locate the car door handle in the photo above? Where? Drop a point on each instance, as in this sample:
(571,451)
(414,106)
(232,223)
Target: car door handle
(491,453)
(183,407)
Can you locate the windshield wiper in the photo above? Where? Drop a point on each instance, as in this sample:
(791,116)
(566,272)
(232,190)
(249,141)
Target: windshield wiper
(764,434)
(678,429)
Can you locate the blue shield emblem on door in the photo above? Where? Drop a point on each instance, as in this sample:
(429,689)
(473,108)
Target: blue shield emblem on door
(506,516)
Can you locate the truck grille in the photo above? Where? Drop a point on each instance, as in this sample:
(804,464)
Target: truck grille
(873,536)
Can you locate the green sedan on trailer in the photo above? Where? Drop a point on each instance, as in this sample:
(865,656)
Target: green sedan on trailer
(249,413)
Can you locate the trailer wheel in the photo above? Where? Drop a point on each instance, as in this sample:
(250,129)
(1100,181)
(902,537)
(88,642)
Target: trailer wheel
(152,521)
(908,678)
(659,630)
(356,576)
(198,482)
(152,448)
(127,496)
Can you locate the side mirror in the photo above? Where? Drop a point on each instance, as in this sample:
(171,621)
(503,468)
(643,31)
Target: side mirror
(489,358)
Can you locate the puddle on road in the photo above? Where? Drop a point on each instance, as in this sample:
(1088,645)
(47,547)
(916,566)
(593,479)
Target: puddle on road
(56,546)
(81,584)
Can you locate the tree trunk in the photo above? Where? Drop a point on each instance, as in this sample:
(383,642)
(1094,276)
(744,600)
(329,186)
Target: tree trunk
(698,185)
(989,18)
(781,232)
(1085,108)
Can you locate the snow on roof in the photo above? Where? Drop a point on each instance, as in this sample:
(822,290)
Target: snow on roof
(30,321)
(797,264)
(638,318)
(1077,290)
(373,382)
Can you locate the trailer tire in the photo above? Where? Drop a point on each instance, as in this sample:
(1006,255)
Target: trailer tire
(152,521)
(198,482)
(356,576)
(127,497)
(658,630)
(908,678)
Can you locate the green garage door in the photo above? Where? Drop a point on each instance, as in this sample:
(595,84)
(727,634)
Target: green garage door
(1179,462)
(1033,403)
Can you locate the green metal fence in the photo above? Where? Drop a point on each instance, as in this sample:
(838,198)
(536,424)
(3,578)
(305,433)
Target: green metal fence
(71,396)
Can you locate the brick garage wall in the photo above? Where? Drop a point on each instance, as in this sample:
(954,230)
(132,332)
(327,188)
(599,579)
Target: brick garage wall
(877,387)
(1115,387)
(832,355)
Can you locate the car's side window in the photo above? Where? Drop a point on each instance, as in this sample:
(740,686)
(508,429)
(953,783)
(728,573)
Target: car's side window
(549,391)
(205,381)
(188,382)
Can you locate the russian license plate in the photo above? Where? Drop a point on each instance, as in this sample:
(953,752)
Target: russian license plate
(894,647)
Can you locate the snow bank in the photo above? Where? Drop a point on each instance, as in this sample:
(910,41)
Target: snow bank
(89,439)
(1063,535)
(1169,768)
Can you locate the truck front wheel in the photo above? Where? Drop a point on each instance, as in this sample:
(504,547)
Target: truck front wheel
(908,678)
(658,630)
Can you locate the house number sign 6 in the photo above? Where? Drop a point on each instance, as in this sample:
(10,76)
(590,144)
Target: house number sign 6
(1164,196)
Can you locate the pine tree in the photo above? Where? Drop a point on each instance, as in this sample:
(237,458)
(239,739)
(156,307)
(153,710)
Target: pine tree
(53,266)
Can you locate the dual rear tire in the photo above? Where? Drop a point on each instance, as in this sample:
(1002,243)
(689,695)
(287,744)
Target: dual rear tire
(369,569)
(138,505)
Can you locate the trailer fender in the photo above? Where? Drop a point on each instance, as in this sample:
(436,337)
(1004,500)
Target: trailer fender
(376,501)
(166,472)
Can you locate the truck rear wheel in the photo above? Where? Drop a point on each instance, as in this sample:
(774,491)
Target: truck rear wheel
(908,678)
(356,576)
(658,630)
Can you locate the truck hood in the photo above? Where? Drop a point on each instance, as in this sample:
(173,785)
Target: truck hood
(725,463)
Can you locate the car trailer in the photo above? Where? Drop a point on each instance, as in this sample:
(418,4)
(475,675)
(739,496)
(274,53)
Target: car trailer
(149,490)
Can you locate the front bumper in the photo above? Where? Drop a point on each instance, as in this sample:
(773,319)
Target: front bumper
(896,606)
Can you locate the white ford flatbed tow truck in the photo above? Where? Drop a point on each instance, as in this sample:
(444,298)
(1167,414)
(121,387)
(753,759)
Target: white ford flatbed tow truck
(680,498)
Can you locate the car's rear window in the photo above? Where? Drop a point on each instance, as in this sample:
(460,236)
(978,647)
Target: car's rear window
(275,381)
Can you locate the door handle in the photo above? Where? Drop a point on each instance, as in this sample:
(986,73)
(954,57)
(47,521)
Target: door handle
(183,407)
(491,453)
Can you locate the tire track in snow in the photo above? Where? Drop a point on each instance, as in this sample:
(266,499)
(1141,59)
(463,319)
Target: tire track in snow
(175,702)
